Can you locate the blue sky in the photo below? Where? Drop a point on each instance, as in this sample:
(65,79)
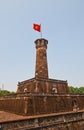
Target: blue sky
(62,25)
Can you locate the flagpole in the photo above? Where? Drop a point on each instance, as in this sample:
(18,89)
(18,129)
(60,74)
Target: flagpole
(41,31)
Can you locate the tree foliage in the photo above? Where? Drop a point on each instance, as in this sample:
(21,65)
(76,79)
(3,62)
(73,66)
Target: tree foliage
(76,90)
(6,93)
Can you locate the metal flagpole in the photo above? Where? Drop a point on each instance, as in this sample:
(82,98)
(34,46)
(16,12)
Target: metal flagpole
(41,30)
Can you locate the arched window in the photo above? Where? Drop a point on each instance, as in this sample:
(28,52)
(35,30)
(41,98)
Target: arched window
(54,90)
(74,103)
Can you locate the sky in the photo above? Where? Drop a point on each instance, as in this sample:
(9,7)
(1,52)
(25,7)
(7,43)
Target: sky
(62,24)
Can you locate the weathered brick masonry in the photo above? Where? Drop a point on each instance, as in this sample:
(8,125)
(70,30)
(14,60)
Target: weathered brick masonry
(41,96)
(61,121)
(35,104)
(39,85)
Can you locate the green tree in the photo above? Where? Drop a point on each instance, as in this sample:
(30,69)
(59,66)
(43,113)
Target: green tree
(6,93)
(71,89)
(76,90)
(81,90)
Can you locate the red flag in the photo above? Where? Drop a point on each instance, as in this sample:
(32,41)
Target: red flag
(37,27)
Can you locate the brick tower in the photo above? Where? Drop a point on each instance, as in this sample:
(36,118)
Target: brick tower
(41,59)
(41,83)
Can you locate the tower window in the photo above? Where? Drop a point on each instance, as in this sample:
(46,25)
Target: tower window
(54,90)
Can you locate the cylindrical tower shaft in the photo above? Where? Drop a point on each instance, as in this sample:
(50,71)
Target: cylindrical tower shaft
(41,59)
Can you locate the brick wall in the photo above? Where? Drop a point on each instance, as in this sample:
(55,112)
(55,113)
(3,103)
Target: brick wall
(43,86)
(14,105)
(31,104)
(62,121)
